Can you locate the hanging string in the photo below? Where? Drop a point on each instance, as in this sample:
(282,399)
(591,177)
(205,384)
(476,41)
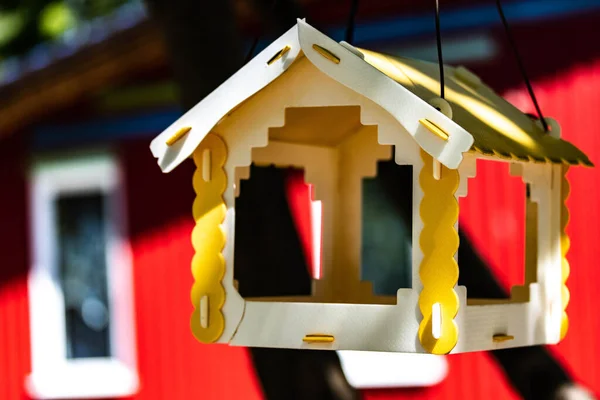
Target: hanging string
(351,18)
(520,63)
(438,34)
(257,38)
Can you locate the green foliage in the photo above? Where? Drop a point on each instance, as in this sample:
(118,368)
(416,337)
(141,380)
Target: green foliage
(26,23)
(11,24)
(56,18)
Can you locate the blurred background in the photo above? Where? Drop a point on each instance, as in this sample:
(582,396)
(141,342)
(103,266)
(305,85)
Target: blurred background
(95,240)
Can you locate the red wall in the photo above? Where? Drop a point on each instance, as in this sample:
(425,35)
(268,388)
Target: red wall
(173,365)
(14,312)
(571,96)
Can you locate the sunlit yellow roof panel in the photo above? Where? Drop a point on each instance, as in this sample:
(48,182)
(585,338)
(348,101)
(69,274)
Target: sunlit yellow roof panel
(498,128)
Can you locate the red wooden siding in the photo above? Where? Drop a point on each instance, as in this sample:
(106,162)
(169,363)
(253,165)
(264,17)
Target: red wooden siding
(299,197)
(14,313)
(493,214)
(172,364)
(572,97)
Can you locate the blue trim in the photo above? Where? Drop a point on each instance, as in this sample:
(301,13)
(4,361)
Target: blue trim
(477,17)
(468,18)
(103,130)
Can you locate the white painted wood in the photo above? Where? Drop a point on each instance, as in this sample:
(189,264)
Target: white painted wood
(370,327)
(436,320)
(466,171)
(437,170)
(204,311)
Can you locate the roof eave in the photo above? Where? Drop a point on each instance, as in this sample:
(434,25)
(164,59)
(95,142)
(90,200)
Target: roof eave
(249,80)
(337,61)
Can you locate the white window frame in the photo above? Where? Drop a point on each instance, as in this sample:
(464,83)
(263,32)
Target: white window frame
(54,376)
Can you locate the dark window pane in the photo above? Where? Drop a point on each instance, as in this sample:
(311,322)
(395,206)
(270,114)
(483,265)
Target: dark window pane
(82,258)
(266,238)
(386,255)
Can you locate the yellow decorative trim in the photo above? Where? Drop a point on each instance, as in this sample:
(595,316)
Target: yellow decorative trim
(178,135)
(564,248)
(438,270)
(318,338)
(326,53)
(433,128)
(208,239)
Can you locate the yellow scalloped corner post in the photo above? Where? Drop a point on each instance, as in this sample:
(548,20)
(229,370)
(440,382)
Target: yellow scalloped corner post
(438,302)
(208,239)
(564,248)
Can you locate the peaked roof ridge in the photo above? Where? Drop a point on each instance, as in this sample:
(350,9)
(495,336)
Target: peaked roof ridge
(405,106)
(399,85)
(349,69)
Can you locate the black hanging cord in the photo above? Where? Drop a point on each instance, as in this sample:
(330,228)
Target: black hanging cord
(438,34)
(351,18)
(257,38)
(511,40)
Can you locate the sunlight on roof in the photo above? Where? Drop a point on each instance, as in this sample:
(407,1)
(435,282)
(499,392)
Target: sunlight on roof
(478,108)
(385,65)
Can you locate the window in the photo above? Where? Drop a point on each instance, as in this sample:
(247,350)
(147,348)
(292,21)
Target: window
(502,235)
(352,211)
(261,222)
(387,201)
(81,310)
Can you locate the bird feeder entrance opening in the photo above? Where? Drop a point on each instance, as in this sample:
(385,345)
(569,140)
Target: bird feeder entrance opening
(506,238)
(337,200)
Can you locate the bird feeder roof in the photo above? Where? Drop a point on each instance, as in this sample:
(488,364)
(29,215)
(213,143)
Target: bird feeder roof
(481,122)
